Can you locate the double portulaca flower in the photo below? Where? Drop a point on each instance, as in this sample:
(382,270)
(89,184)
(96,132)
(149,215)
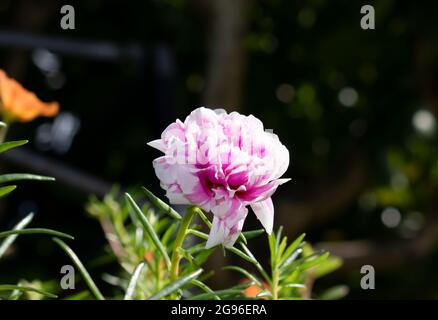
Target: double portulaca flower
(222,163)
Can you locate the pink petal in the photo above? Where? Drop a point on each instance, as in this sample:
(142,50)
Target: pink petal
(258,193)
(237,179)
(174,130)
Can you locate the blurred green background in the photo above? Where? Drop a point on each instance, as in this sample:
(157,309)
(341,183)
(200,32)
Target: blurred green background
(356,108)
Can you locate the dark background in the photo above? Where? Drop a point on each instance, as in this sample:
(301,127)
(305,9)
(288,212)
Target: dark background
(356,108)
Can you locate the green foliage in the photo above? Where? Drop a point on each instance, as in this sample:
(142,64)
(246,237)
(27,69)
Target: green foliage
(36,231)
(5,146)
(161,204)
(293,268)
(21,290)
(8,287)
(23,176)
(133,282)
(148,229)
(143,240)
(156,261)
(9,240)
(6,190)
(176,285)
(18,290)
(4,178)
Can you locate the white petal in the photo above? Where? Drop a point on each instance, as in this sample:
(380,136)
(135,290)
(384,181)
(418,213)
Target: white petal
(157,144)
(279,182)
(187,180)
(234,233)
(220,233)
(203,117)
(175,195)
(221,209)
(254,124)
(282,161)
(220,111)
(165,170)
(217,233)
(264,210)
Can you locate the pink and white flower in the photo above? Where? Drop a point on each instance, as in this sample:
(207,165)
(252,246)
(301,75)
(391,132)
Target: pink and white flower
(222,163)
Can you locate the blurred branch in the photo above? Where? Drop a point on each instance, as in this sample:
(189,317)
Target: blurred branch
(384,256)
(99,50)
(226,53)
(326,198)
(69,176)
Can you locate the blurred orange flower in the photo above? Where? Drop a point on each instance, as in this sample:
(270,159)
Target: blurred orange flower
(17,103)
(149,256)
(253,290)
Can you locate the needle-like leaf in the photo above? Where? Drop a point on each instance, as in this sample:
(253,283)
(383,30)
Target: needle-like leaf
(5,146)
(314,262)
(10,287)
(175,286)
(241,254)
(291,248)
(6,190)
(91,285)
(204,287)
(198,234)
(36,231)
(245,274)
(161,204)
(256,263)
(23,176)
(133,282)
(149,229)
(253,233)
(222,294)
(10,239)
(203,217)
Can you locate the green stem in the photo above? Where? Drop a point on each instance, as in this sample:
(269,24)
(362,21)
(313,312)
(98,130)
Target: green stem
(275,278)
(182,232)
(275,272)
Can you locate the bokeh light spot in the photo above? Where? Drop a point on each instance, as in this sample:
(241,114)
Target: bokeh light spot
(348,97)
(285,93)
(424,122)
(391,217)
